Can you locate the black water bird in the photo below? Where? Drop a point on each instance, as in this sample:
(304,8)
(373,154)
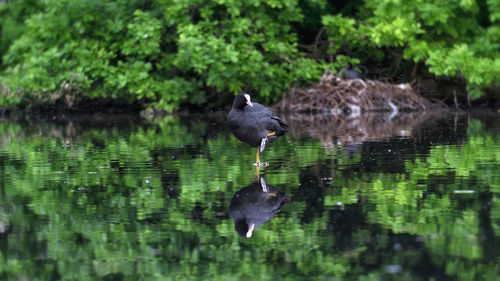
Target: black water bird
(254,205)
(254,123)
(349,72)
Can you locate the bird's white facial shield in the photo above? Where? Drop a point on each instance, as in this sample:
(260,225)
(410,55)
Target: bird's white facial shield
(247,97)
(250,230)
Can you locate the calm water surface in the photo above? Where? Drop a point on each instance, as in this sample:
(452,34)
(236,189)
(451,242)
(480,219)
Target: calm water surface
(382,198)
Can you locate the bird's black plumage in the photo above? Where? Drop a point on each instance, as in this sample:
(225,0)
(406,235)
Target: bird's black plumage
(252,122)
(251,206)
(350,72)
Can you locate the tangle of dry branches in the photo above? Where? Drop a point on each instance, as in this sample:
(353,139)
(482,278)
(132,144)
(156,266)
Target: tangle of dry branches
(353,97)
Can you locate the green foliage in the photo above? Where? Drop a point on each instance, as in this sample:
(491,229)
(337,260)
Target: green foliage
(456,39)
(166,53)
(71,46)
(12,16)
(163,53)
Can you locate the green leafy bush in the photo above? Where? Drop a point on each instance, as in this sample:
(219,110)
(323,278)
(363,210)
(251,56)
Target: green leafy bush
(166,53)
(456,39)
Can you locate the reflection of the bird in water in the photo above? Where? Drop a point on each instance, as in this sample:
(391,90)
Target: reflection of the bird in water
(254,205)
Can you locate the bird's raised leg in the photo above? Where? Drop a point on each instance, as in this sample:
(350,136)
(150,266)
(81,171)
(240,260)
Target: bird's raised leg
(262,147)
(265,189)
(263,144)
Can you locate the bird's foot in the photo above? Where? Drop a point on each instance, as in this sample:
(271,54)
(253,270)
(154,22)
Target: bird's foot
(261,164)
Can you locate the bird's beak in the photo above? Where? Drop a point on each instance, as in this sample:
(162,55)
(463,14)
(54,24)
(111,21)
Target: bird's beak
(247,97)
(250,230)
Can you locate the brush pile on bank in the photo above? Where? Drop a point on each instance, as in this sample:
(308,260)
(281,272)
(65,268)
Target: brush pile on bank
(352,97)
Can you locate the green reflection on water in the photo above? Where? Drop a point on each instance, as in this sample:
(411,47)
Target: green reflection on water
(150,202)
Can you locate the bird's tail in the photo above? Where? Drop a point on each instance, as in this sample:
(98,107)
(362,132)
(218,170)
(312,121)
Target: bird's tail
(283,201)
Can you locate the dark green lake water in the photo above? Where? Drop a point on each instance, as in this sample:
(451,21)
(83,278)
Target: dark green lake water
(383,198)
